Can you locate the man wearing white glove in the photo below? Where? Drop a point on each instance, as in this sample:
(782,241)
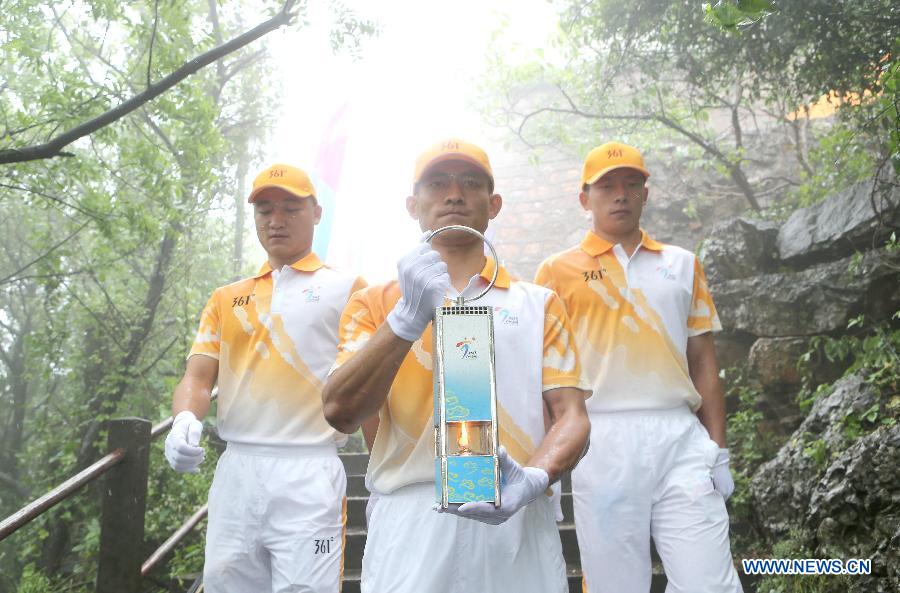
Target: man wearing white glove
(384,367)
(657,467)
(183,450)
(276,503)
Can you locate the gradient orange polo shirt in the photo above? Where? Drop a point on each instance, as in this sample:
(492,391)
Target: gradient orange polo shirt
(632,317)
(275,337)
(534,352)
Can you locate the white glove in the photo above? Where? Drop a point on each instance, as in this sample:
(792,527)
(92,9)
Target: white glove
(183,450)
(423,282)
(721,475)
(519,486)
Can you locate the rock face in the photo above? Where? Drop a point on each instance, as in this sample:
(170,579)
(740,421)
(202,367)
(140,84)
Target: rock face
(773,362)
(781,489)
(820,299)
(740,248)
(845,222)
(854,511)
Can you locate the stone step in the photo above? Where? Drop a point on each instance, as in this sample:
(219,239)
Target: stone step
(354,546)
(356,486)
(356,511)
(355,464)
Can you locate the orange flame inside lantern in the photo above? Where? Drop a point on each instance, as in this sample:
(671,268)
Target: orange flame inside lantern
(463,440)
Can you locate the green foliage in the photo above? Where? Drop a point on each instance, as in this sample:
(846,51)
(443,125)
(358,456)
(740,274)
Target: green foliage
(817,450)
(874,350)
(841,156)
(109,254)
(749,444)
(722,111)
(795,546)
(732,15)
(33,581)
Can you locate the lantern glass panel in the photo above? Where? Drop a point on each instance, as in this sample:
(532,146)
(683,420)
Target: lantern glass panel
(469,438)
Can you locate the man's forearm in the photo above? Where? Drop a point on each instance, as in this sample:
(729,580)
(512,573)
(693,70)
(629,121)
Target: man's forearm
(194,390)
(192,397)
(569,433)
(704,372)
(712,412)
(357,389)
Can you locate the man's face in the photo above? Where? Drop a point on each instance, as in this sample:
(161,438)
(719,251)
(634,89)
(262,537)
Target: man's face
(454,192)
(616,201)
(285,224)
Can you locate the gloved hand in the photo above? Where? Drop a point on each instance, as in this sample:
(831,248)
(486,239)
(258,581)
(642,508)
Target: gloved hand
(183,450)
(423,281)
(520,486)
(721,475)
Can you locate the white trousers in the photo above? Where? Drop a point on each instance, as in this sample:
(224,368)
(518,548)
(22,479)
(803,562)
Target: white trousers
(276,521)
(413,549)
(647,474)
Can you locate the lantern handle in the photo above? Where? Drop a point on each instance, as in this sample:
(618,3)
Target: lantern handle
(460,300)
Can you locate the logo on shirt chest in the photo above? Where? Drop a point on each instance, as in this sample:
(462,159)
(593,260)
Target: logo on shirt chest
(311,294)
(505,317)
(240,301)
(466,349)
(596,274)
(666,273)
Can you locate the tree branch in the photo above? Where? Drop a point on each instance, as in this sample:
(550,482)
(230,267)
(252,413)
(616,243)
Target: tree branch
(152,40)
(43,255)
(56,199)
(54,147)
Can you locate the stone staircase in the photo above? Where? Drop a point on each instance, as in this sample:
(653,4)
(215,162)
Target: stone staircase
(355,543)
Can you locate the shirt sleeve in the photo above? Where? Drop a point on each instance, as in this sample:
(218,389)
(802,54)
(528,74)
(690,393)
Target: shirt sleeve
(544,276)
(209,334)
(703,317)
(561,366)
(358,285)
(356,327)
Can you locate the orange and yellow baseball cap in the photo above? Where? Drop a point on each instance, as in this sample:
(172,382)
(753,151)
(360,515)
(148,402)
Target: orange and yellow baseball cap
(452,149)
(609,156)
(291,179)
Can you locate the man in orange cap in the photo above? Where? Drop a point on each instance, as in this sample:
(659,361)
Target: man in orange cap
(384,367)
(276,503)
(657,466)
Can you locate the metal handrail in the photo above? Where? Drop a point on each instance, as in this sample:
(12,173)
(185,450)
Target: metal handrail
(174,539)
(35,508)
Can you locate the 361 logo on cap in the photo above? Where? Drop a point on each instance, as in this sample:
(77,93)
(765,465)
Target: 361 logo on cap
(450,146)
(276,173)
(614,153)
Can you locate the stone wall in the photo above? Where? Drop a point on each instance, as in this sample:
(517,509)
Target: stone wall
(776,286)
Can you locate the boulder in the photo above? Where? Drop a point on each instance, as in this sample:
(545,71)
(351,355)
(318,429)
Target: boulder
(820,299)
(848,221)
(854,511)
(781,488)
(773,364)
(732,348)
(739,248)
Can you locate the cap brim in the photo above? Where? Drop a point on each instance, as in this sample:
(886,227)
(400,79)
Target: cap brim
(255,193)
(603,172)
(453,157)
